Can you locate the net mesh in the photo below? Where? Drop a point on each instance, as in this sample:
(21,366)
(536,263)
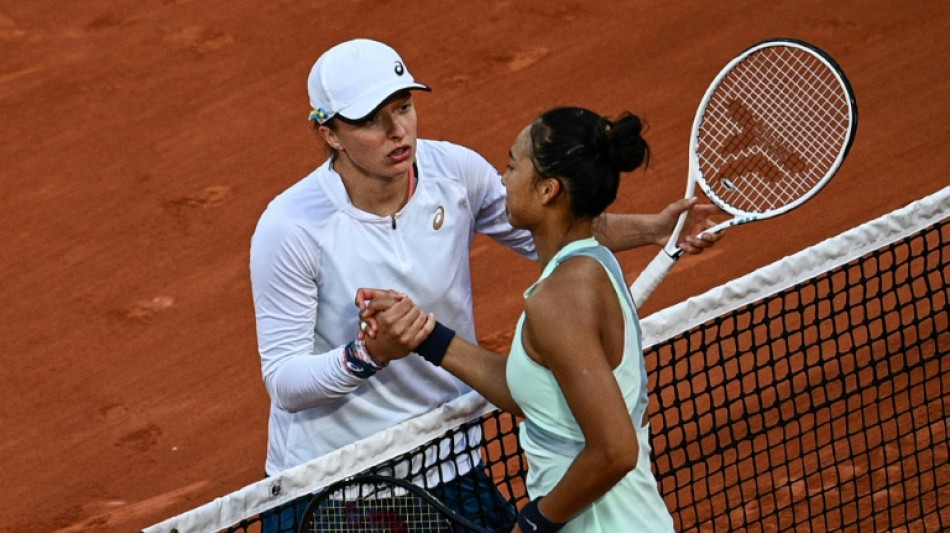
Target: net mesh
(822,407)
(820,404)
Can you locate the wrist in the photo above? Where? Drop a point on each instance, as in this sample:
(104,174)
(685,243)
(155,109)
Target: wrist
(531,520)
(436,344)
(359,362)
(661,231)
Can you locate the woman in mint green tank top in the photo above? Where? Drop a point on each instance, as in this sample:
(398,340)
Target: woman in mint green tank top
(576,370)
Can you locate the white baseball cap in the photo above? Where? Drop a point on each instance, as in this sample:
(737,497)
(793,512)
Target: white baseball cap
(354,78)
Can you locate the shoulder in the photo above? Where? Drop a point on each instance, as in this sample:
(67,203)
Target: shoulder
(575,289)
(307,199)
(452,160)
(563,313)
(436,149)
(296,214)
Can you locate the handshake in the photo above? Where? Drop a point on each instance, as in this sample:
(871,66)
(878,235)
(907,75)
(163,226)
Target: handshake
(392,326)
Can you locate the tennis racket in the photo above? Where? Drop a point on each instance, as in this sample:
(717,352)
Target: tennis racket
(381,504)
(770,132)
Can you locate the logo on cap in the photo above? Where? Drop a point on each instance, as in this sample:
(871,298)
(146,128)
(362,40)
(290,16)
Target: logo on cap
(399,68)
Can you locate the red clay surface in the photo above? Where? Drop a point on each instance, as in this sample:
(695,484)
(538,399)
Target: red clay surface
(141,141)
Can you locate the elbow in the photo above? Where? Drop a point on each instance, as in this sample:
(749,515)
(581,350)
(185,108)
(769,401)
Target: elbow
(621,460)
(617,458)
(286,402)
(290,407)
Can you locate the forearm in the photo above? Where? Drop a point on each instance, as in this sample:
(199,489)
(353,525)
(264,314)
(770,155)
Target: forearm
(620,232)
(589,477)
(482,370)
(305,381)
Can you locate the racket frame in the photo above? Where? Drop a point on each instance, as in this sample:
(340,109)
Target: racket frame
(660,266)
(741,216)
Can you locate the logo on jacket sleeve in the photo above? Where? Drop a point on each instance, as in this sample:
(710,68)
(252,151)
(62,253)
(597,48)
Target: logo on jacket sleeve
(439,218)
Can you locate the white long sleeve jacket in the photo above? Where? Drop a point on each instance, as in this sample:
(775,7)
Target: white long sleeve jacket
(313,249)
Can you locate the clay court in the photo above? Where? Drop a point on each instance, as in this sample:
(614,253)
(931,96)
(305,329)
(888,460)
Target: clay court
(142,140)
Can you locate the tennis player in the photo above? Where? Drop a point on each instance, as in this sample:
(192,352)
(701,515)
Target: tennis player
(384,210)
(576,370)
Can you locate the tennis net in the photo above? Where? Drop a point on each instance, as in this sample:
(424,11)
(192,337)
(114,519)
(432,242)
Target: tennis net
(812,394)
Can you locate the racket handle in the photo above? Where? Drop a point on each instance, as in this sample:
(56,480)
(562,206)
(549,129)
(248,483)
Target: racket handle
(652,276)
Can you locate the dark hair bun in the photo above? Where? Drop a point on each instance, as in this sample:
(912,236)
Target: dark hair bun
(587,152)
(622,141)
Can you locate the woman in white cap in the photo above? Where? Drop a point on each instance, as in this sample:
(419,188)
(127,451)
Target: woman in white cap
(385,210)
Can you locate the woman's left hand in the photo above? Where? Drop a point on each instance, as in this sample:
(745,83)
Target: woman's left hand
(692,239)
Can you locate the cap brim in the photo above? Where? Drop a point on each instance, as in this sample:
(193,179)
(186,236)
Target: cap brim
(371,102)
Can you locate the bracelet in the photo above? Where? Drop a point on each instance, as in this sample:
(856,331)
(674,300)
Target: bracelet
(532,521)
(359,362)
(436,344)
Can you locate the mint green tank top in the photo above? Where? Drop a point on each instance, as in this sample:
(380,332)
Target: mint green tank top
(551,437)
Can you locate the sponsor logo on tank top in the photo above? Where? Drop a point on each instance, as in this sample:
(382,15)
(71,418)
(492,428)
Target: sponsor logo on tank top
(439,218)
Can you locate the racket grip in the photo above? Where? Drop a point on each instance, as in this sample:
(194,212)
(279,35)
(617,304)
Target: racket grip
(652,276)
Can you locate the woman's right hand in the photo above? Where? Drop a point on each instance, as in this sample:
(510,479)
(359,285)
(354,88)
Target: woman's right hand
(391,324)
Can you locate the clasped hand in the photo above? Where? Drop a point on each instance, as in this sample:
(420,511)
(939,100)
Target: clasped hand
(391,324)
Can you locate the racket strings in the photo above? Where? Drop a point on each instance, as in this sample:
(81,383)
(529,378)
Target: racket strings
(376,508)
(774,128)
